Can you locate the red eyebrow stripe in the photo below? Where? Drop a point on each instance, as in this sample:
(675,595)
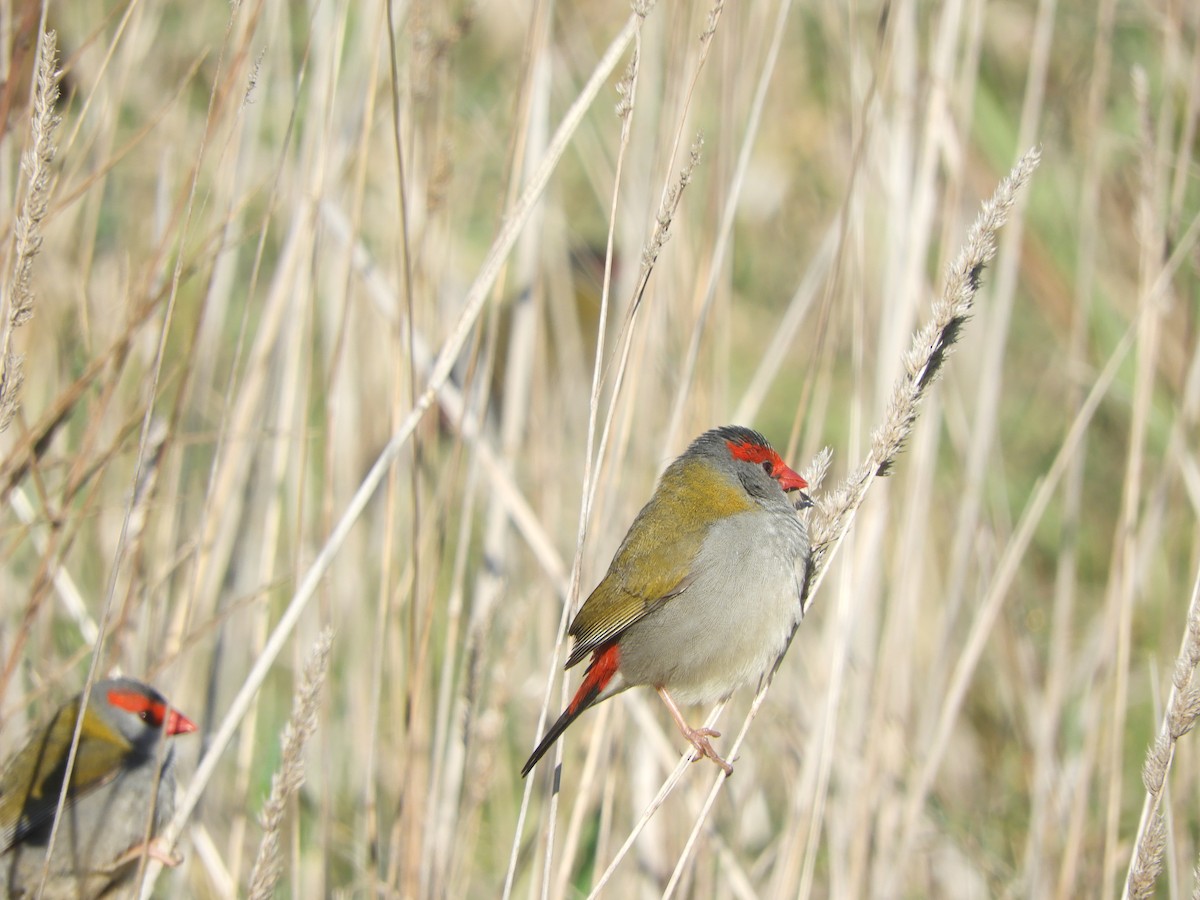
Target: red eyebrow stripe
(754,453)
(138,704)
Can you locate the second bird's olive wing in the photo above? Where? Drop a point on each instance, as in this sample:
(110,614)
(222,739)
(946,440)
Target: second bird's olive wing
(33,779)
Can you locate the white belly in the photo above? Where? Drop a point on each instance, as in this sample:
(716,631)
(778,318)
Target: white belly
(734,619)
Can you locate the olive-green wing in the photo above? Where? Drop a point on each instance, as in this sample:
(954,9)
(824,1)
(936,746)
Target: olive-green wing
(654,562)
(32,780)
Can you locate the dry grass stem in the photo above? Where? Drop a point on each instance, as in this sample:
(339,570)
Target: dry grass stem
(17,306)
(834,513)
(1179,717)
(264,876)
(724,236)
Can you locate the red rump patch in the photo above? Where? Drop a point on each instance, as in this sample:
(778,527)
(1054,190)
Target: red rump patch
(605,662)
(757,454)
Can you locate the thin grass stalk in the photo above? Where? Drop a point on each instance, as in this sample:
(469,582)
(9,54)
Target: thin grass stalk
(582,812)
(1046,786)
(449,761)
(1126,546)
(1157,522)
(353,264)
(1157,527)
(627,91)
(330,27)
(672,196)
(1179,717)
(274,363)
(69,593)
(16,305)
(986,405)
(414,801)
(242,391)
(531,136)
(228,503)
(593,460)
(287,414)
(16,309)
(504,489)
(1096,707)
(716,264)
(17,300)
(816,272)
(927,129)
(201,332)
(289,777)
(664,791)
(844,241)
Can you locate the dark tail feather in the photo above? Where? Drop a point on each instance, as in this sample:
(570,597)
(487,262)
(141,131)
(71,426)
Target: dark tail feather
(552,735)
(603,667)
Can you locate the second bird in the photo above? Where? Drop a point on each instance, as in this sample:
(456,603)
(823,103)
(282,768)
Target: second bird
(704,592)
(121,792)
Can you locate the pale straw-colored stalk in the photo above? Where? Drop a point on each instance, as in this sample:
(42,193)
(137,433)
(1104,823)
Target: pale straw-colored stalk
(289,778)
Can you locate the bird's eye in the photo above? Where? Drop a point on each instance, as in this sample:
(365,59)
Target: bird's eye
(768,468)
(145,715)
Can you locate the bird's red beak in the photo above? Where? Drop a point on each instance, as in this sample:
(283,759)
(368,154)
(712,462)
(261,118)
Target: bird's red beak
(178,723)
(789,480)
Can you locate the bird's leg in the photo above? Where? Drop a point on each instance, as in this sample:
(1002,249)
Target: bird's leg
(158,849)
(697,736)
(155,849)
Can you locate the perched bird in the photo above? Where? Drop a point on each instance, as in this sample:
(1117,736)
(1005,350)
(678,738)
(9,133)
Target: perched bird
(704,591)
(122,784)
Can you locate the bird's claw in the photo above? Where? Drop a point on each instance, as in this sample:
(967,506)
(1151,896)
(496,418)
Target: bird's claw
(158,849)
(155,849)
(699,739)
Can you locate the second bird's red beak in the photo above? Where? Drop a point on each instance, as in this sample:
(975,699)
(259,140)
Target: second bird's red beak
(178,723)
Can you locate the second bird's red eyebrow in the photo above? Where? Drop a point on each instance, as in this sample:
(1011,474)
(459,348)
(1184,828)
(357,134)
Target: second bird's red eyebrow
(137,703)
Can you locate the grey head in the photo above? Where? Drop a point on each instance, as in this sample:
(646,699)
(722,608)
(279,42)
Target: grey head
(748,456)
(137,711)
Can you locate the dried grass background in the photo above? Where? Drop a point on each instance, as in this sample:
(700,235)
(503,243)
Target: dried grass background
(315,312)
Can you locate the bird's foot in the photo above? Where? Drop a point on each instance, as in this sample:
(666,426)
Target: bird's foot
(697,736)
(158,849)
(155,849)
(699,739)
